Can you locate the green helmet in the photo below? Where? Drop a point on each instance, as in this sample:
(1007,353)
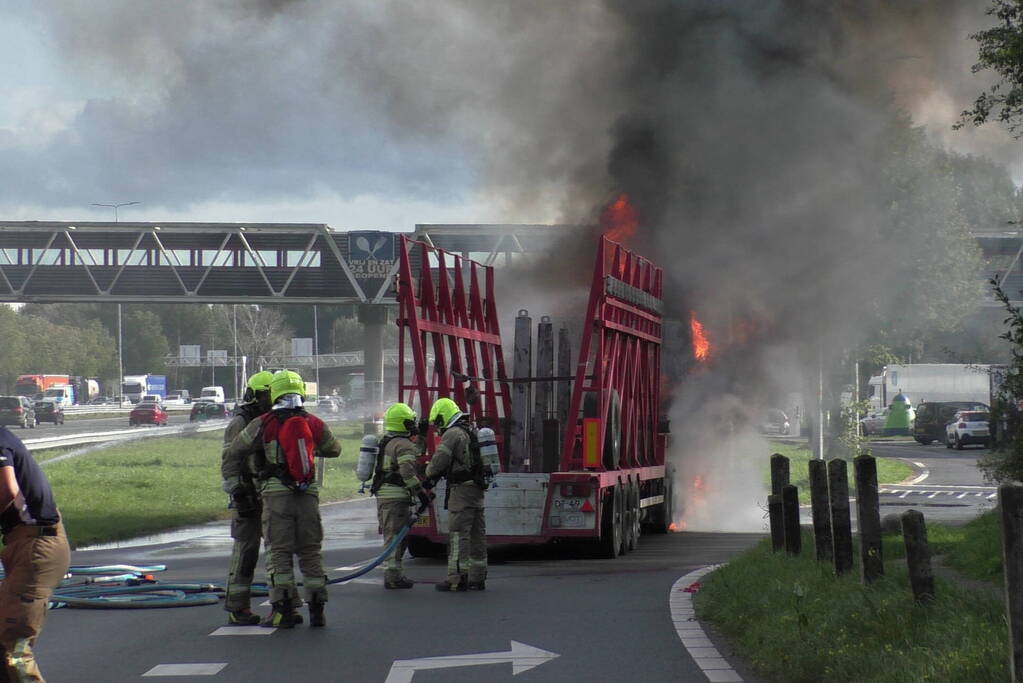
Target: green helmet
(260,381)
(444,413)
(399,418)
(286,382)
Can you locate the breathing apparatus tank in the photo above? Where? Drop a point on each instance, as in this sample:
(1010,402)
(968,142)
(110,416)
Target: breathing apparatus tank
(367,464)
(488,451)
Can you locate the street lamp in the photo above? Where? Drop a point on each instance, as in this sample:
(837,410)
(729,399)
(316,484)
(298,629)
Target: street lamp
(115,207)
(120,361)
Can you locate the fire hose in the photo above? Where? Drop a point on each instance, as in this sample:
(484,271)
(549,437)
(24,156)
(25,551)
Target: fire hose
(386,552)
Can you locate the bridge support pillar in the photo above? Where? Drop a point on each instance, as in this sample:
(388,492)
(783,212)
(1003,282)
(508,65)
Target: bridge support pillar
(373,319)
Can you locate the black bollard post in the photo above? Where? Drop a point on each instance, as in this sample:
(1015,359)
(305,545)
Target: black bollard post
(776,514)
(918,555)
(779,473)
(868,514)
(822,540)
(841,525)
(1010,505)
(790,515)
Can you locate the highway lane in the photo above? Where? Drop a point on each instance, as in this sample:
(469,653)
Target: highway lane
(604,619)
(83,425)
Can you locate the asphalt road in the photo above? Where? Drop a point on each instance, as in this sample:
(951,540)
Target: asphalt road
(947,487)
(606,620)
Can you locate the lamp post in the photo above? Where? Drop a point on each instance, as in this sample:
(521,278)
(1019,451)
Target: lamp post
(120,361)
(115,207)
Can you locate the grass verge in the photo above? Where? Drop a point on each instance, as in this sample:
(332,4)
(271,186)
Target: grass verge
(159,484)
(973,549)
(793,620)
(889,471)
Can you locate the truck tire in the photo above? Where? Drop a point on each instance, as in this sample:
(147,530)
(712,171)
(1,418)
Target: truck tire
(661,516)
(424,547)
(631,536)
(611,525)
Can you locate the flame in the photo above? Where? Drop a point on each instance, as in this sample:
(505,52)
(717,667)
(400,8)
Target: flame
(673,527)
(698,482)
(619,220)
(701,345)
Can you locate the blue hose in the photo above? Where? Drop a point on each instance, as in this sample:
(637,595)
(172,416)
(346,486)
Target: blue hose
(387,551)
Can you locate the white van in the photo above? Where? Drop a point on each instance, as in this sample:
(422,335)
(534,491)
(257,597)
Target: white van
(215,394)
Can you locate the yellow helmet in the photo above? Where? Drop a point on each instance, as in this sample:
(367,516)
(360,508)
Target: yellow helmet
(444,413)
(399,418)
(286,382)
(260,381)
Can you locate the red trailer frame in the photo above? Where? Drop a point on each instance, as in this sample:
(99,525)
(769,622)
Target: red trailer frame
(612,463)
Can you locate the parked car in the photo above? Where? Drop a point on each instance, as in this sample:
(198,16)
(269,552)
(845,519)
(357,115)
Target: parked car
(932,418)
(968,426)
(147,413)
(49,411)
(17,410)
(775,422)
(873,423)
(208,410)
(329,404)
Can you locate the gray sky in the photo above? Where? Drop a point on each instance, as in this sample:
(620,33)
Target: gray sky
(363,114)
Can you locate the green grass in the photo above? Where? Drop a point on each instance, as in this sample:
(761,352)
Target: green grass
(889,471)
(158,484)
(794,621)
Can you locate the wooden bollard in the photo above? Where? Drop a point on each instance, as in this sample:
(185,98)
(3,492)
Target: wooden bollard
(822,540)
(1010,505)
(779,473)
(841,525)
(776,515)
(918,555)
(790,515)
(868,513)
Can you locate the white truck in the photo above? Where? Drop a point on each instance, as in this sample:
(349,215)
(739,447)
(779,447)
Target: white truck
(214,394)
(930,382)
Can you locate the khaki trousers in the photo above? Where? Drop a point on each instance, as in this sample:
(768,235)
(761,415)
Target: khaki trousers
(292,526)
(393,516)
(34,565)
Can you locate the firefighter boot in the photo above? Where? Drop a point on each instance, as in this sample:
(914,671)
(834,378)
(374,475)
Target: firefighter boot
(282,616)
(398,583)
(445,587)
(242,617)
(316,618)
(477,585)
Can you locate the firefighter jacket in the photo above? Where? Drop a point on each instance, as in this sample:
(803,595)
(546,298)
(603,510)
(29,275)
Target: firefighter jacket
(451,459)
(399,457)
(237,472)
(268,457)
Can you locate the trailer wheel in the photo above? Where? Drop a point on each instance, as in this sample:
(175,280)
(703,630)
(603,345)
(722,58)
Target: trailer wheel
(612,525)
(424,547)
(661,516)
(635,530)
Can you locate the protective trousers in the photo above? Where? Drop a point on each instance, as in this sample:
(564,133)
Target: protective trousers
(467,537)
(34,564)
(393,516)
(292,526)
(247,533)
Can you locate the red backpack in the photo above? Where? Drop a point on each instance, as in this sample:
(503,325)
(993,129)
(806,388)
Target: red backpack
(293,432)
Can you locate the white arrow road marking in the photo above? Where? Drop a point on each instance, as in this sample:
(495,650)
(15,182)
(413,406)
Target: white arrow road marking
(522,657)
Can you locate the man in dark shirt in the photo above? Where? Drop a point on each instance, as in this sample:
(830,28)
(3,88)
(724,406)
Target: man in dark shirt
(35,555)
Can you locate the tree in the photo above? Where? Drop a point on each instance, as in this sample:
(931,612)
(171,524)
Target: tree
(1005,460)
(1000,51)
(262,330)
(145,347)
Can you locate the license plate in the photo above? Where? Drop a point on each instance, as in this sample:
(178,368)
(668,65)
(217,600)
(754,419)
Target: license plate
(424,520)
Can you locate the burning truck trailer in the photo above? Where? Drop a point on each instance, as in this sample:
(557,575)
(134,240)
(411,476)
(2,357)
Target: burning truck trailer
(584,458)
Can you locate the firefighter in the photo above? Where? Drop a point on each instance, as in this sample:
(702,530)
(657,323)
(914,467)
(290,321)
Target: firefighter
(239,482)
(457,460)
(291,512)
(35,556)
(395,484)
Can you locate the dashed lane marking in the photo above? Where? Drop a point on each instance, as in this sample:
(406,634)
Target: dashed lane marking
(713,665)
(208,669)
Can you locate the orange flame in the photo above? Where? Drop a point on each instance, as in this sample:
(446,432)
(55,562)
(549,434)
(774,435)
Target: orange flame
(619,220)
(673,527)
(698,482)
(701,345)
